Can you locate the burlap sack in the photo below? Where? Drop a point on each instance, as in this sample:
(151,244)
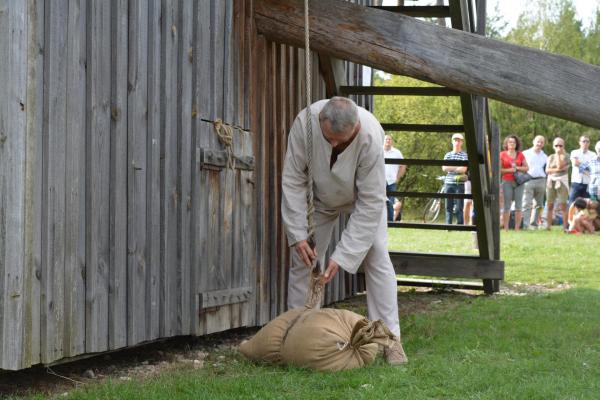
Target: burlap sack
(324,339)
(266,344)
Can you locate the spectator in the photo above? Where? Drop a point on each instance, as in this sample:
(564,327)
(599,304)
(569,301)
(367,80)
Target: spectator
(580,176)
(455,178)
(393,173)
(535,189)
(594,185)
(511,161)
(583,214)
(557,185)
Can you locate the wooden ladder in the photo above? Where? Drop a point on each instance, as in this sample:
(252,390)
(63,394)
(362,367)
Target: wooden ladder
(483,147)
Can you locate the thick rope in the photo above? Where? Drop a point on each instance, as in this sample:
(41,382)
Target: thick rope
(225,135)
(316,286)
(309,136)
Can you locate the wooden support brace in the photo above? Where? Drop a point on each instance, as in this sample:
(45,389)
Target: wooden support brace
(333,71)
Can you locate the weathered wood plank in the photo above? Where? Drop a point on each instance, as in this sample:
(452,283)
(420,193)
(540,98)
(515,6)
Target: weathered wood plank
(517,75)
(98,181)
(13,125)
(55,113)
(33,184)
(185,162)
(204,139)
(117,268)
(217,159)
(196,176)
(258,123)
(153,176)
(443,266)
(74,335)
(137,166)
(248,239)
(202,55)
(169,189)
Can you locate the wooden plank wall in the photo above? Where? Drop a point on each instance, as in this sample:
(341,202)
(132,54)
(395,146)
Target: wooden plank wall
(115,225)
(278,96)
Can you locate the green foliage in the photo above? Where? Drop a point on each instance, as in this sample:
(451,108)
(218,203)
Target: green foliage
(418,110)
(551,26)
(554,28)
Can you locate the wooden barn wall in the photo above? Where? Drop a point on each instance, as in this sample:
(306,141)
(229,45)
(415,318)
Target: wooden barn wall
(120,222)
(278,95)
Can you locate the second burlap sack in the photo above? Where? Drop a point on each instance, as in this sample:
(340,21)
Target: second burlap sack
(326,339)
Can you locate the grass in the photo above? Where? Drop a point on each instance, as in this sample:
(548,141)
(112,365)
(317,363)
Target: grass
(543,345)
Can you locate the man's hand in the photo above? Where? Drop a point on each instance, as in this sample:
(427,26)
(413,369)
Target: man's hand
(330,272)
(307,255)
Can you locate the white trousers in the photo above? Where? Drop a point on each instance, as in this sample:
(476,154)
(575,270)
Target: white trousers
(382,301)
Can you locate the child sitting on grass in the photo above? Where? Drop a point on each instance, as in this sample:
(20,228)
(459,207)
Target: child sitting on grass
(583,216)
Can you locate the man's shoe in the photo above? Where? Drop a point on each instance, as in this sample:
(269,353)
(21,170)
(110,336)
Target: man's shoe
(394,355)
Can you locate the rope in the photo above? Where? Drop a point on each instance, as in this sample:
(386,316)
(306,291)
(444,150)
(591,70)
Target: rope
(225,135)
(315,287)
(309,136)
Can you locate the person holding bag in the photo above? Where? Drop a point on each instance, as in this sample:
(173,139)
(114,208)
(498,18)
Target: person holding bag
(512,161)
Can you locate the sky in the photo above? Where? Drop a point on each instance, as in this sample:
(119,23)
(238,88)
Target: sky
(511,9)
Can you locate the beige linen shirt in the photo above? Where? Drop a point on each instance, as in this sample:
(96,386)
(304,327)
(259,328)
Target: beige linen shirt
(355,184)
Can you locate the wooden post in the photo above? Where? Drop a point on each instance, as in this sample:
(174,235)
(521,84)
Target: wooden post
(547,83)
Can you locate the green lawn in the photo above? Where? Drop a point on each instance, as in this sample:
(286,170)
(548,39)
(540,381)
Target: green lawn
(513,345)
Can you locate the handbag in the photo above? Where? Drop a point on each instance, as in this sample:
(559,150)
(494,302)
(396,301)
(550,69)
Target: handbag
(522,177)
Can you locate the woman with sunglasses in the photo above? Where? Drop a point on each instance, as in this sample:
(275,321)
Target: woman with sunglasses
(557,185)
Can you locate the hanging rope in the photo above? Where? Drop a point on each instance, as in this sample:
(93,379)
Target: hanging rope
(225,134)
(315,288)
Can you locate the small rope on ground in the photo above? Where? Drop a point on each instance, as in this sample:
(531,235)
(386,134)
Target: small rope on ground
(51,372)
(225,134)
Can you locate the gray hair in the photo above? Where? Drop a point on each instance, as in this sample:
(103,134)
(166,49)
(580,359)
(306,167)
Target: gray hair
(597,145)
(341,112)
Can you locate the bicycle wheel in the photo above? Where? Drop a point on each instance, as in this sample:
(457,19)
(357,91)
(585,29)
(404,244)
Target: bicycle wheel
(432,210)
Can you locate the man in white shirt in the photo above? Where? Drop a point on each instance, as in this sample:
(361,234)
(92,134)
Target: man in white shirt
(393,173)
(349,177)
(580,172)
(535,189)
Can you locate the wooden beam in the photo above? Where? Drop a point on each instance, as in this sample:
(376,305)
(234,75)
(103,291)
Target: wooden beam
(333,72)
(423,128)
(439,283)
(547,83)
(439,227)
(419,11)
(429,195)
(446,265)
(418,161)
(399,91)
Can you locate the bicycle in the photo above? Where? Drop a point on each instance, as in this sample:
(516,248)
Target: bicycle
(434,205)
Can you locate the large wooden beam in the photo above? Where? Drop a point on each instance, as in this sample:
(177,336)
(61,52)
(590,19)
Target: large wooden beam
(528,78)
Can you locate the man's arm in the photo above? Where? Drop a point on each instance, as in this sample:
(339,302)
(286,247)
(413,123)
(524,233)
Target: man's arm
(359,235)
(401,172)
(294,186)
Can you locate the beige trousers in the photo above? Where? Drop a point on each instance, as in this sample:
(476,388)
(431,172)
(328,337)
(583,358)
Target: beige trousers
(382,301)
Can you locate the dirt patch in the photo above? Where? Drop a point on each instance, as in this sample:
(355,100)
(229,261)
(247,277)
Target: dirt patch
(524,288)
